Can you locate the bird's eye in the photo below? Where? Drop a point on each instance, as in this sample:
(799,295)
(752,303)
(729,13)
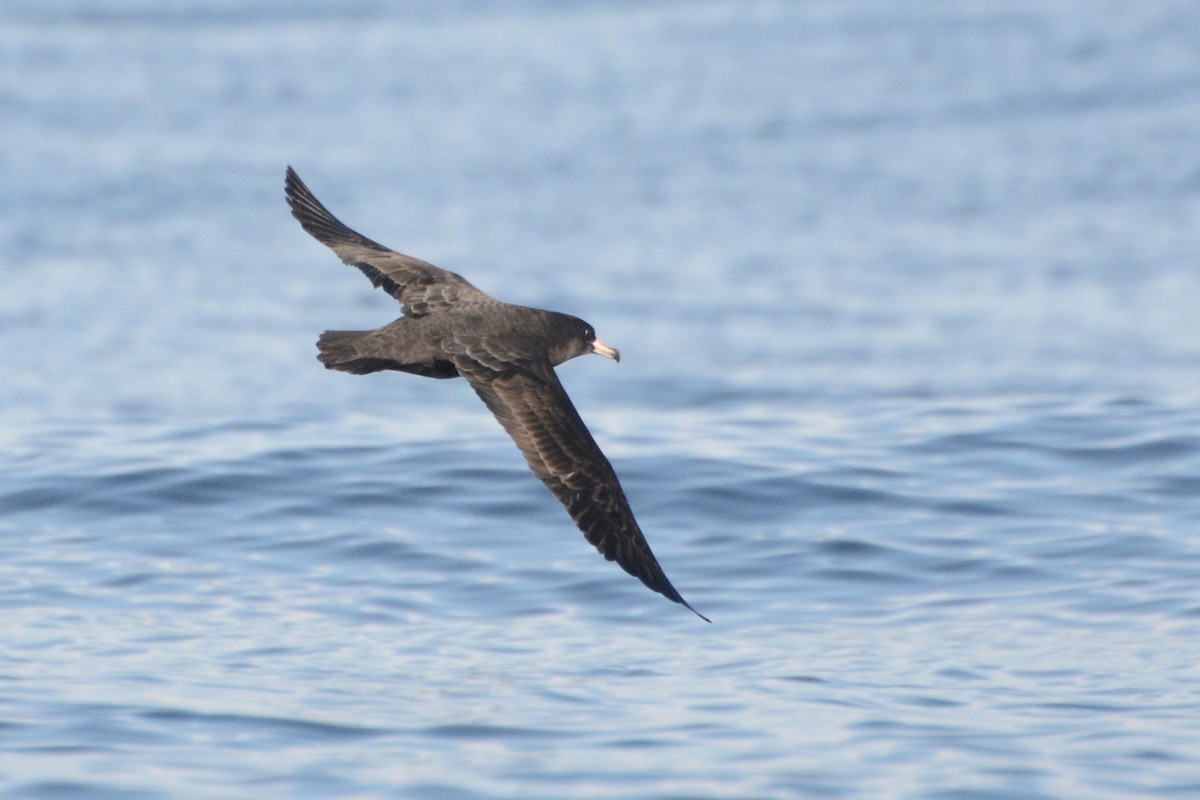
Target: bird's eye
(589,334)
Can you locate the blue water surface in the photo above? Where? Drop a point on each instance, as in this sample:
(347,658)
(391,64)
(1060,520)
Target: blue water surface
(909,404)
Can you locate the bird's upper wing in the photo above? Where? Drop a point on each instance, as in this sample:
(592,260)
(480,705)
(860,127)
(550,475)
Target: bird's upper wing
(418,285)
(531,404)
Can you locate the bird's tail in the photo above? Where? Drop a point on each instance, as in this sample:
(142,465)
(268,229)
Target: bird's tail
(350,351)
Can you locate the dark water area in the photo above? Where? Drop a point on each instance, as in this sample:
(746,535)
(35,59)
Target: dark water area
(909,401)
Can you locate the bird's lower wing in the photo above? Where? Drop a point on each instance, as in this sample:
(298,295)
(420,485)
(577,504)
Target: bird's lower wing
(534,408)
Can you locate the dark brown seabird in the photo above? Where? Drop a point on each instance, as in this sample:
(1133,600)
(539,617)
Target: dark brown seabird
(508,354)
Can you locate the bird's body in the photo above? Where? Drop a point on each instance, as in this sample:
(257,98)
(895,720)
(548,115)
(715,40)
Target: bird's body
(507,353)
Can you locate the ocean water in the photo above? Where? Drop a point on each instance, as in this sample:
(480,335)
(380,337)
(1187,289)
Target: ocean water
(908,297)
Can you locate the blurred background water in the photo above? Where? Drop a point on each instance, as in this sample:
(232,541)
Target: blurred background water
(908,301)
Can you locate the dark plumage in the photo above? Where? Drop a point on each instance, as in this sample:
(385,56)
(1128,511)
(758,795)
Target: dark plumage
(508,354)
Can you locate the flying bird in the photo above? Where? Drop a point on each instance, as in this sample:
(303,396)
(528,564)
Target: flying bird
(507,353)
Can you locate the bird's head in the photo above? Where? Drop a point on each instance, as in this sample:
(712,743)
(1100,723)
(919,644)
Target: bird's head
(571,336)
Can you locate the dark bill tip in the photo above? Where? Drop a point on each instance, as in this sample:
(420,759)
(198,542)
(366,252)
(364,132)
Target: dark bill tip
(601,349)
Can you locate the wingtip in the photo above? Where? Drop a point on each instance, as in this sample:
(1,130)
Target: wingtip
(664,587)
(319,222)
(671,593)
(658,581)
(293,187)
(688,606)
